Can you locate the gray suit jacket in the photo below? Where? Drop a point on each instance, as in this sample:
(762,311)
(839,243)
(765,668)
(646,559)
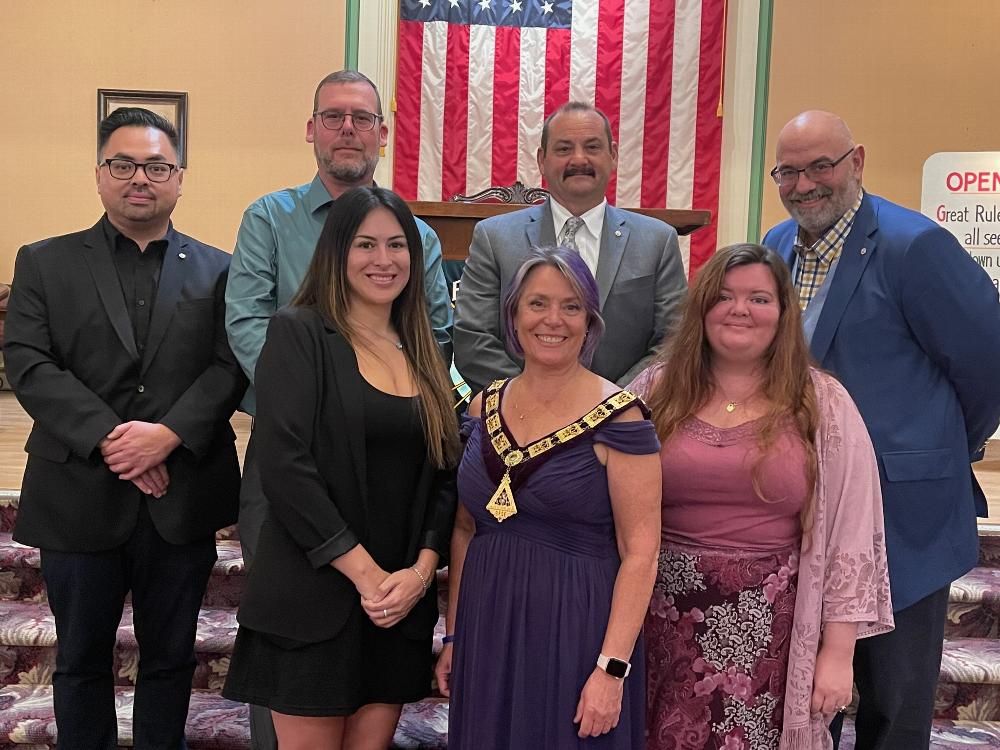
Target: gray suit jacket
(640,277)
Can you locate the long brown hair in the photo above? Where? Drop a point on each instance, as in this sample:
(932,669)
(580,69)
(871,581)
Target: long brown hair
(684,382)
(326,289)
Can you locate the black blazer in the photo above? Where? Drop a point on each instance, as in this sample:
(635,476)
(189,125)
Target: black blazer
(311,447)
(74,365)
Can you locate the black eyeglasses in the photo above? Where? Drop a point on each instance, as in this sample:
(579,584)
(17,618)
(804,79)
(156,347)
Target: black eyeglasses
(335,120)
(123,169)
(815,172)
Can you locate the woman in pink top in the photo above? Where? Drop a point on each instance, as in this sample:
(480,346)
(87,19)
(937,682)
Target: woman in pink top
(772,560)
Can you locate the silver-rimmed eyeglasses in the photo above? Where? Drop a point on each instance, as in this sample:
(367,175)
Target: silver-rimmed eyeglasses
(815,172)
(123,169)
(361,120)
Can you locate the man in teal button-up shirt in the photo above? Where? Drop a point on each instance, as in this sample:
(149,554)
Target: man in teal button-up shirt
(275,246)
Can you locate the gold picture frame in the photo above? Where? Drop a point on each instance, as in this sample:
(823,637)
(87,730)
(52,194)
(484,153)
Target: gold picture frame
(172,105)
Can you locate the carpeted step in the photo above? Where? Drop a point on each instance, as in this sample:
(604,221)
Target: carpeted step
(947,735)
(969,686)
(989,545)
(8,508)
(974,605)
(28,646)
(21,577)
(213,723)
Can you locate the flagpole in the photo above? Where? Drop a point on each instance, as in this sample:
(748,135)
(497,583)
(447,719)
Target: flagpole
(757,155)
(351,36)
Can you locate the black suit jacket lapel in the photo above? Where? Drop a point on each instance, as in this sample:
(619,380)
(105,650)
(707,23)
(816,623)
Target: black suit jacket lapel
(857,251)
(102,267)
(168,292)
(350,390)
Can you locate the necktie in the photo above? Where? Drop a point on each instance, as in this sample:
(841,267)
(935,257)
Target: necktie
(570,228)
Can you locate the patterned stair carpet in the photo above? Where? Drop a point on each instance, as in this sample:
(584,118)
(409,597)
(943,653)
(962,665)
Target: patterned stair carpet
(967,707)
(27,658)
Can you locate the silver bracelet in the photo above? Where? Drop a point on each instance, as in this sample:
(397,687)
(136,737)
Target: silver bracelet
(423,581)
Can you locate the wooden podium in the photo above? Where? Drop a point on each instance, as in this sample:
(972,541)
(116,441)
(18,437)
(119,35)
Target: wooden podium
(454,221)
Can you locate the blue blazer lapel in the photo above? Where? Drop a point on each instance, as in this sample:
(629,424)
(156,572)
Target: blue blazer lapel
(857,251)
(102,267)
(614,237)
(173,272)
(350,388)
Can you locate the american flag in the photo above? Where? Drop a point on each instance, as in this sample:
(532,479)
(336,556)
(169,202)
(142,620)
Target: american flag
(476,78)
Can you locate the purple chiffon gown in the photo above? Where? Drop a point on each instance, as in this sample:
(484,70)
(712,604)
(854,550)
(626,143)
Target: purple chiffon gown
(535,598)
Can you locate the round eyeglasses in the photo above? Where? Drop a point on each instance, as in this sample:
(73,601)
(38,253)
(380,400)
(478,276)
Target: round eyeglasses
(335,120)
(123,169)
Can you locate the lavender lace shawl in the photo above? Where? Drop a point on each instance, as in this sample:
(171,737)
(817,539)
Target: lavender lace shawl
(843,572)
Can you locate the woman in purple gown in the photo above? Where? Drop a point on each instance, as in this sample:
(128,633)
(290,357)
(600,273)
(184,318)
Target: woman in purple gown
(773,556)
(554,548)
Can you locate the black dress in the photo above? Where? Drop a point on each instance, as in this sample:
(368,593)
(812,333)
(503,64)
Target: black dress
(363,663)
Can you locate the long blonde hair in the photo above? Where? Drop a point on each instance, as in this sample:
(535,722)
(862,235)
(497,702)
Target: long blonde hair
(685,383)
(326,289)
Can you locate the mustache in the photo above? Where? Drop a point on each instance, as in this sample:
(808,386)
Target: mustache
(581,169)
(816,192)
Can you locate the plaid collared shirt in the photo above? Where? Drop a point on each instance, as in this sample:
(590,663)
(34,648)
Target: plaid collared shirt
(815,260)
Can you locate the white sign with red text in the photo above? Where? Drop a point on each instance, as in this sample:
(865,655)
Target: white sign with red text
(961,192)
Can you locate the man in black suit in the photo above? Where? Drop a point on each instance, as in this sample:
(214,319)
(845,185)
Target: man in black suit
(116,346)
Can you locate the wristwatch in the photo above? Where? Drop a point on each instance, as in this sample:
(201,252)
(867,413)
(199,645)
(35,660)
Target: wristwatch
(614,667)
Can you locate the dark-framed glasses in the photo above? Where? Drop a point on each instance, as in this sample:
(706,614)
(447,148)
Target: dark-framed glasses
(335,120)
(815,172)
(123,169)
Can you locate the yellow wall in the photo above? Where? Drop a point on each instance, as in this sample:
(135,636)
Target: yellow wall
(910,78)
(249,68)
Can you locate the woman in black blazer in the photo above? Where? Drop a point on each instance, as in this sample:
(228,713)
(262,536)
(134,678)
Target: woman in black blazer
(357,442)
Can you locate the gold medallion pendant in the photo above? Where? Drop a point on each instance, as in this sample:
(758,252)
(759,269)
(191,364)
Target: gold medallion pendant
(501,506)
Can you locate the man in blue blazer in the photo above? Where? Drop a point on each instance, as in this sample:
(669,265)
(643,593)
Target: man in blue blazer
(634,258)
(910,324)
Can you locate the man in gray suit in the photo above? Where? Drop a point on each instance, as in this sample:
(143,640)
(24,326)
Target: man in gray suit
(635,259)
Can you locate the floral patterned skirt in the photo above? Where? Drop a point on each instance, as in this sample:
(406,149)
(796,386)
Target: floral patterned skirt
(717,636)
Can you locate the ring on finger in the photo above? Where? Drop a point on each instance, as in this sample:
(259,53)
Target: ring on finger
(385,613)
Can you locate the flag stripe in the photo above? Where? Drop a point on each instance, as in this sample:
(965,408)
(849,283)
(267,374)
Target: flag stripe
(683,104)
(608,92)
(506,57)
(583,51)
(531,103)
(432,111)
(479,164)
(407,144)
(456,112)
(708,134)
(659,69)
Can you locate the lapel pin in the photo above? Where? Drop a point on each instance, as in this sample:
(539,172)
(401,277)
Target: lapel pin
(618,233)
(864,250)
(181,255)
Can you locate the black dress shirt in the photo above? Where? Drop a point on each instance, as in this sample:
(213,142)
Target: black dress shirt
(139,274)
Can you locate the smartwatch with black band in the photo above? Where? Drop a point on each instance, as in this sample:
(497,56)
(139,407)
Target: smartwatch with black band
(614,667)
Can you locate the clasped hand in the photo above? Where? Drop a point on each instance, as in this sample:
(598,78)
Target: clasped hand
(136,452)
(393,599)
